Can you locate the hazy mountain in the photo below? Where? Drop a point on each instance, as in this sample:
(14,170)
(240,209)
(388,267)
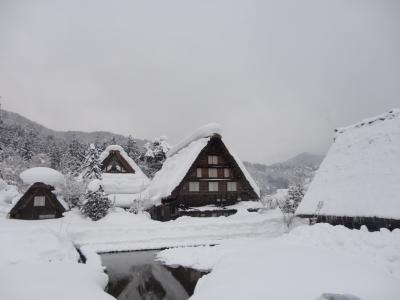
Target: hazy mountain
(99,137)
(296,170)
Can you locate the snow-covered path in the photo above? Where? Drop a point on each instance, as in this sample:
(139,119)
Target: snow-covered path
(141,233)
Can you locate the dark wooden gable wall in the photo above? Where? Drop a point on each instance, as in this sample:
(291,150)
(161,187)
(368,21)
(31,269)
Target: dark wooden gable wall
(25,209)
(215,147)
(115,160)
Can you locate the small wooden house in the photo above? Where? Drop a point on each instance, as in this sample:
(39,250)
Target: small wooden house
(116,162)
(122,178)
(200,171)
(38,202)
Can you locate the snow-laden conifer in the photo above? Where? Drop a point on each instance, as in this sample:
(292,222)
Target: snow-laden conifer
(91,166)
(95,204)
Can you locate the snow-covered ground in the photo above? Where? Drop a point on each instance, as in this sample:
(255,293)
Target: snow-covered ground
(254,256)
(304,264)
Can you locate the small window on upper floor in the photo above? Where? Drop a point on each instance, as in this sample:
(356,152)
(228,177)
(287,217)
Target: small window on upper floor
(212,159)
(39,201)
(212,172)
(227,172)
(199,173)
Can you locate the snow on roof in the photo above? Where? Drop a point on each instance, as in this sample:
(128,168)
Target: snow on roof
(121,151)
(181,157)
(246,174)
(62,202)
(360,175)
(203,132)
(394,113)
(123,183)
(42,174)
(174,170)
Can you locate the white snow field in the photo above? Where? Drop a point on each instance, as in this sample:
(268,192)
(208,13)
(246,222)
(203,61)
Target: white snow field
(360,175)
(254,257)
(304,264)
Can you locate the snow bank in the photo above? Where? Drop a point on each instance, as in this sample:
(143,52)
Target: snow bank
(301,265)
(49,281)
(8,193)
(174,170)
(37,244)
(123,183)
(126,200)
(43,174)
(360,175)
(205,131)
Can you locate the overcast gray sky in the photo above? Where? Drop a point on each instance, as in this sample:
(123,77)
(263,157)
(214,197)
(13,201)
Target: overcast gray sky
(278,75)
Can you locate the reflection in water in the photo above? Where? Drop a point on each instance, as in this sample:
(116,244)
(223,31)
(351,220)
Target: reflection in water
(136,276)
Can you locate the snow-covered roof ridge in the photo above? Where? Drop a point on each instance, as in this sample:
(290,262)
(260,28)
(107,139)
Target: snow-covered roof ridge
(121,151)
(205,131)
(393,113)
(43,174)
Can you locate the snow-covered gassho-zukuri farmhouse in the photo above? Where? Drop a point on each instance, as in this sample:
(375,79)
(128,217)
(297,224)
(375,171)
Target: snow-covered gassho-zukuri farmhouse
(358,183)
(200,171)
(41,200)
(122,178)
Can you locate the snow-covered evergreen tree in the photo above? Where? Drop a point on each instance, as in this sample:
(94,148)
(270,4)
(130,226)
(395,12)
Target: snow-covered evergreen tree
(290,203)
(73,158)
(95,204)
(132,149)
(91,166)
(155,155)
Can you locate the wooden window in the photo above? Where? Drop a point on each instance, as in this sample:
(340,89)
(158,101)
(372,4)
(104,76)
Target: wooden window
(212,173)
(231,187)
(198,173)
(39,201)
(213,186)
(212,160)
(227,172)
(194,186)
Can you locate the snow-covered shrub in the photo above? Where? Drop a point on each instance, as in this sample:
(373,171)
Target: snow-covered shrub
(269,202)
(95,204)
(136,207)
(289,204)
(73,191)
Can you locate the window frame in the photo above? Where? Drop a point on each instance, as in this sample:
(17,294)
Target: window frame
(39,201)
(212,173)
(199,172)
(213,159)
(229,186)
(196,185)
(227,172)
(212,185)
